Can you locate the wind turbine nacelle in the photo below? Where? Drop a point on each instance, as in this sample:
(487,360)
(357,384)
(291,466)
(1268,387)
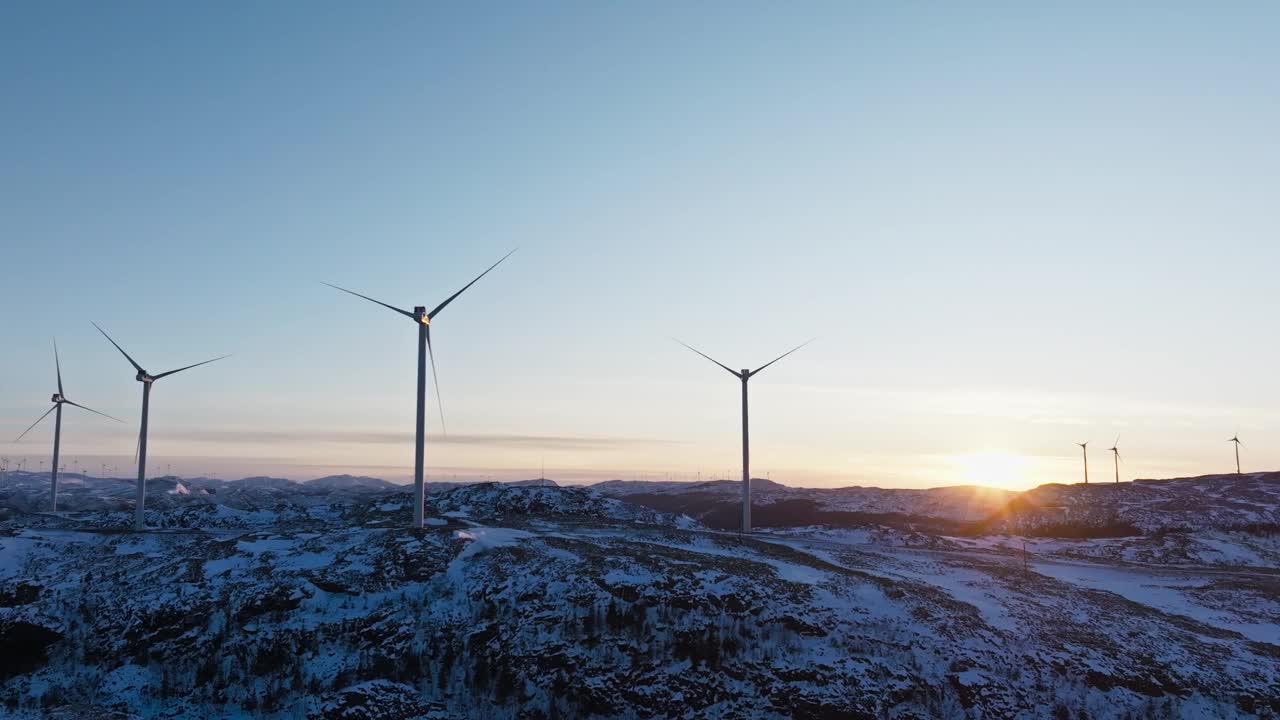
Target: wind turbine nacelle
(57,398)
(144,378)
(420,314)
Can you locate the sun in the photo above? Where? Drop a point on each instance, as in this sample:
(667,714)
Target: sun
(994,468)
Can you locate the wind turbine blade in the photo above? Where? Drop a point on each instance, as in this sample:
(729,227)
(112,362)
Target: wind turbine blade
(405,313)
(82,407)
(206,362)
(137,448)
(58,364)
(132,362)
(432,315)
(753,372)
(42,417)
(436,379)
(734,373)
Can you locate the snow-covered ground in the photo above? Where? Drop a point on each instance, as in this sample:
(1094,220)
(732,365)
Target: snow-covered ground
(542,601)
(1175,594)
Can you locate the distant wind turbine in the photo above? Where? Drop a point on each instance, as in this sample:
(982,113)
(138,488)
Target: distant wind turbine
(744,375)
(1085,447)
(58,400)
(146,379)
(1115,449)
(423,319)
(1236,439)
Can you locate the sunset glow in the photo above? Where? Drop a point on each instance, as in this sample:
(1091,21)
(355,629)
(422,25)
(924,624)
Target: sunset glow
(994,468)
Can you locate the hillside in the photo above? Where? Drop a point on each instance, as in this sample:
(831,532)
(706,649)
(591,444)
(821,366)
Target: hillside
(548,602)
(1221,502)
(716,503)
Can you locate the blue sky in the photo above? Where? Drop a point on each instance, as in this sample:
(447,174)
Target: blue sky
(1011,228)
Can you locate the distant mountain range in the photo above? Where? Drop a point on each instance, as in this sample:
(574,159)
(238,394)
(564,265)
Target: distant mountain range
(1211,501)
(1098,509)
(29,492)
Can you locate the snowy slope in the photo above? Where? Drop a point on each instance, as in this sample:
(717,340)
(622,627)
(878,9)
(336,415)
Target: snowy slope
(29,492)
(1222,502)
(559,602)
(1208,502)
(715,503)
(264,598)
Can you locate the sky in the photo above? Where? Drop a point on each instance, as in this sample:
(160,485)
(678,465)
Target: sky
(1011,227)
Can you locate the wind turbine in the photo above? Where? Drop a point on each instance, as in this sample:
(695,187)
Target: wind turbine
(1236,439)
(58,401)
(146,379)
(744,375)
(1085,447)
(1115,449)
(423,320)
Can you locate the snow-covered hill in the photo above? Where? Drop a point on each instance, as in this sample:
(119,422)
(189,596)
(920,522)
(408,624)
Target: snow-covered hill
(606,619)
(27,492)
(716,503)
(501,501)
(544,602)
(350,483)
(1220,502)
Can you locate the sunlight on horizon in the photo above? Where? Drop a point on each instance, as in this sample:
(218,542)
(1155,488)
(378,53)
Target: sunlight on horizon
(994,468)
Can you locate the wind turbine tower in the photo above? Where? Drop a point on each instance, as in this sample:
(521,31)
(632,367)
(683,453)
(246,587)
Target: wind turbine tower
(1085,447)
(146,379)
(58,400)
(423,319)
(1236,439)
(745,375)
(1115,450)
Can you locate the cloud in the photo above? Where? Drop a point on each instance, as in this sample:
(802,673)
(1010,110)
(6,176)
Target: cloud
(549,442)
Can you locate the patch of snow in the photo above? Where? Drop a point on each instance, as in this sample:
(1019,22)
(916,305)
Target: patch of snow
(1163,592)
(487,538)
